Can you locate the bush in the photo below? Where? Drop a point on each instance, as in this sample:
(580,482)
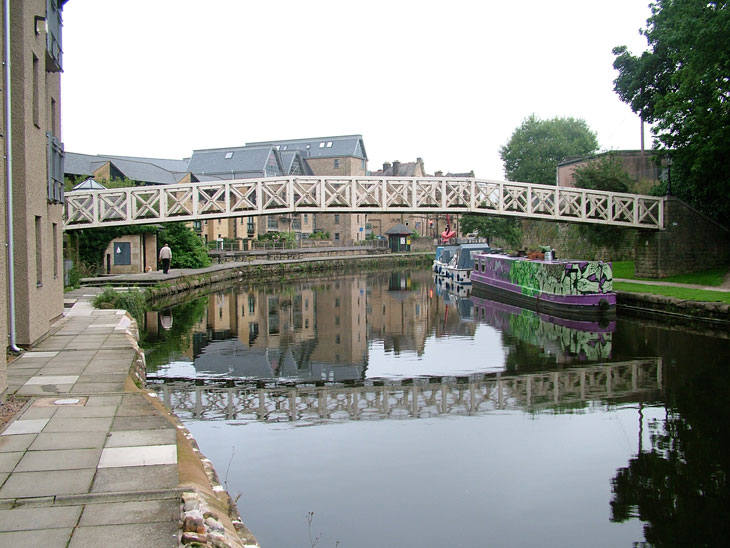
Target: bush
(132,301)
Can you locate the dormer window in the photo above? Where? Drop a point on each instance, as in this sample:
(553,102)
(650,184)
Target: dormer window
(329,144)
(321,145)
(229,155)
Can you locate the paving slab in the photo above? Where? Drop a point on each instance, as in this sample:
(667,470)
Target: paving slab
(130,438)
(87,411)
(117,513)
(58,459)
(117,457)
(103,400)
(157,535)
(8,461)
(52,379)
(21,442)
(95,387)
(141,423)
(39,413)
(32,426)
(46,538)
(47,484)
(135,478)
(68,440)
(27,519)
(44,389)
(81,424)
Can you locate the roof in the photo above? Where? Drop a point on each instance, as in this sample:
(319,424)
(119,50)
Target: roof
(287,161)
(232,162)
(623,153)
(165,163)
(89,184)
(405,169)
(398,229)
(337,146)
(147,170)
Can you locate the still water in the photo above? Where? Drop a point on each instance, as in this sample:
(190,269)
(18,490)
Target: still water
(403,416)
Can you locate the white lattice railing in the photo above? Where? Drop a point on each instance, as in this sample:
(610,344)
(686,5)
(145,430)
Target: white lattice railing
(245,197)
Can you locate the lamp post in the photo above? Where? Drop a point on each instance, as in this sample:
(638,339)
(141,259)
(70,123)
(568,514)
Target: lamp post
(669,174)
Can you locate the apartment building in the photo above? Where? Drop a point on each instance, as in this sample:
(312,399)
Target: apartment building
(32,174)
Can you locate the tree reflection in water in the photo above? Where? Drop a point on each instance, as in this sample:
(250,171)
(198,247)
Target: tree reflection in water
(679,486)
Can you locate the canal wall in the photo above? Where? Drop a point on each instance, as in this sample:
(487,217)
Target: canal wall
(712,314)
(283,271)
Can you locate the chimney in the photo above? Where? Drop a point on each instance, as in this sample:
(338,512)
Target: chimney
(386,167)
(419,163)
(396,168)
(438,174)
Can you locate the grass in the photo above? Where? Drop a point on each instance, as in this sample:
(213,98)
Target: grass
(712,277)
(682,293)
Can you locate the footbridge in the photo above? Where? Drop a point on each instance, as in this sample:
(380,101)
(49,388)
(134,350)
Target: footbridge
(415,398)
(274,196)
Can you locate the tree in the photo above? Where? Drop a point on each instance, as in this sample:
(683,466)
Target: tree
(604,173)
(681,85)
(188,250)
(490,226)
(538,146)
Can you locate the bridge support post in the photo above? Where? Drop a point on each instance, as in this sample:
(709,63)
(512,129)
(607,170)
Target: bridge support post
(690,241)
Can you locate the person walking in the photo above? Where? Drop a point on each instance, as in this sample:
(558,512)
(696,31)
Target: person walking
(165,257)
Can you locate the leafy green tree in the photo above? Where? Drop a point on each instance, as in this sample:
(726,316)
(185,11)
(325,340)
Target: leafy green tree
(538,146)
(188,249)
(680,85)
(490,226)
(604,173)
(92,242)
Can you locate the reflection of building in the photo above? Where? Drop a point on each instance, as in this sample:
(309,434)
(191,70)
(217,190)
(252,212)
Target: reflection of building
(398,311)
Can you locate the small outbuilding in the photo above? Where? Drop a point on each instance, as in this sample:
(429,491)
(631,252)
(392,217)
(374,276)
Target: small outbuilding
(399,238)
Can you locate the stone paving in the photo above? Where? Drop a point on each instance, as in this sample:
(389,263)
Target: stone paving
(86,463)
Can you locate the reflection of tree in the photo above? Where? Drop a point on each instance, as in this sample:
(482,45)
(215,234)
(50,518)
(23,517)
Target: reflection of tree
(679,487)
(159,347)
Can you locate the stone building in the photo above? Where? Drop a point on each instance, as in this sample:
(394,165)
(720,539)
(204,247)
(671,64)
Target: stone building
(342,155)
(32,174)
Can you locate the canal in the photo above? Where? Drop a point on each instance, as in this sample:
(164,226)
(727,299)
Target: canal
(375,409)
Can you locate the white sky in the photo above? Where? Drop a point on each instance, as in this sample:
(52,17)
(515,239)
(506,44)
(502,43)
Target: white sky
(446,81)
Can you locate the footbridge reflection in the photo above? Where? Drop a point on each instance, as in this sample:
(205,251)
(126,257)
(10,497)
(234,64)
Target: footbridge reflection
(476,394)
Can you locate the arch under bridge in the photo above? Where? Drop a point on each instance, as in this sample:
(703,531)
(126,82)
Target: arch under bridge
(287,195)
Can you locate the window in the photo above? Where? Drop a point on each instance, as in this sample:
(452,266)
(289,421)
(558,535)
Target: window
(337,218)
(53,116)
(337,320)
(55,250)
(36,92)
(337,235)
(229,155)
(271,222)
(329,144)
(251,304)
(250,225)
(337,339)
(306,217)
(362,164)
(337,162)
(337,302)
(321,145)
(284,147)
(38,252)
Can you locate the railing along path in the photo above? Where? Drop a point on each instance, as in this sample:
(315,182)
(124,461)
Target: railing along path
(281,196)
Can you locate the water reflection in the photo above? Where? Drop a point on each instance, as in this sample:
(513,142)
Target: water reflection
(543,431)
(420,398)
(343,329)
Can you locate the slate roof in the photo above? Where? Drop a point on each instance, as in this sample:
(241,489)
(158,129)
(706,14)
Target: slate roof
(337,146)
(287,160)
(147,170)
(241,162)
(398,229)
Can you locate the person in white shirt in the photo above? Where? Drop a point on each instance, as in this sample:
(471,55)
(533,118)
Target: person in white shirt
(165,257)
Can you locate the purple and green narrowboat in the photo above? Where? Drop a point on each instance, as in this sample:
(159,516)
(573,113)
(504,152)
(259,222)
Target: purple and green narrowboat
(559,287)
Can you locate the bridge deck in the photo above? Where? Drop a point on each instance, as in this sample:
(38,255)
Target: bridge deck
(279,196)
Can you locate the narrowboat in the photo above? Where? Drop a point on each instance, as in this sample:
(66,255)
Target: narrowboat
(444,253)
(461,264)
(559,287)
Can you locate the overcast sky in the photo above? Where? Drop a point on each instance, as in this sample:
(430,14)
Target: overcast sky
(445,81)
